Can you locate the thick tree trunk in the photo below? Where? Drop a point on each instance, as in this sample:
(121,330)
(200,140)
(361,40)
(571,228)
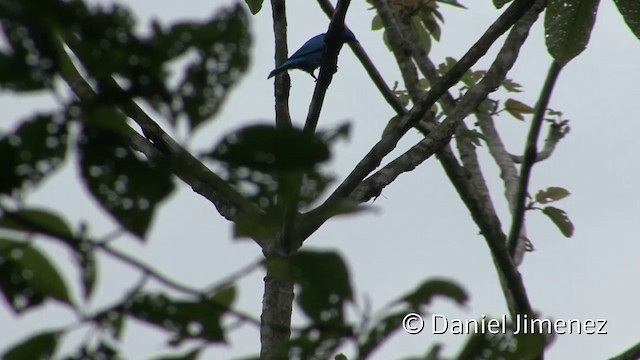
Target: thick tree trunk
(275,327)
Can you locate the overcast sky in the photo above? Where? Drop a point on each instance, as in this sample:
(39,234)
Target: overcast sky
(420,228)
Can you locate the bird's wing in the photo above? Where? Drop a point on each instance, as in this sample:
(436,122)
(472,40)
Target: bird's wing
(313,45)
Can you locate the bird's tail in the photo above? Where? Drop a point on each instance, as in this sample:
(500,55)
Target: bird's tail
(277,70)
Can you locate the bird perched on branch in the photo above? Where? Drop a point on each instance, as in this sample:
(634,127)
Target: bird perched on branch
(309,56)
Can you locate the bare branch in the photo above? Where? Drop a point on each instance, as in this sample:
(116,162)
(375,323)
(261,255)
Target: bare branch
(282,84)
(333,44)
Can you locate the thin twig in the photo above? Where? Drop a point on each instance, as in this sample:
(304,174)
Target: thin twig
(530,153)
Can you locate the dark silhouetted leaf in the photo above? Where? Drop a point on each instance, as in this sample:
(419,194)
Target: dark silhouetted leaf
(126,186)
(254,5)
(36,149)
(40,346)
(86,259)
(267,164)
(267,148)
(27,277)
(28,60)
(432,288)
(380,332)
(220,55)
(324,283)
(101,351)
(500,3)
(560,218)
(376,23)
(630,10)
(568,25)
(454,3)
(36,221)
(185,319)
(189,355)
(504,345)
(551,194)
(517,108)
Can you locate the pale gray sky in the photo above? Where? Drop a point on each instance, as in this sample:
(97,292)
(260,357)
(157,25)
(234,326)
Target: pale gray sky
(420,228)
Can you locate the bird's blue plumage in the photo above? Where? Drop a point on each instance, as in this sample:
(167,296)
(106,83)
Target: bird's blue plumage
(309,56)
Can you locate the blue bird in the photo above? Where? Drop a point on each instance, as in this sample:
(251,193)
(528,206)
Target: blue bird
(309,56)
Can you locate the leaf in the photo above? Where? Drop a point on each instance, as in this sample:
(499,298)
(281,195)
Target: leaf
(432,288)
(376,23)
(103,350)
(267,148)
(453,3)
(551,194)
(34,151)
(324,283)
(422,34)
(37,221)
(517,108)
(511,86)
(254,6)
(630,10)
(185,319)
(276,168)
(127,187)
(380,332)
(560,218)
(49,223)
(86,259)
(473,135)
(503,345)
(568,25)
(40,346)
(27,277)
(500,3)
(189,355)
(219,51)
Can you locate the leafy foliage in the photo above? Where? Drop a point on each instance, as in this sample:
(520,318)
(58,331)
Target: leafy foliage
(33,151)
(127,187)
(39,346)
(121,68)
(505,345)
(28,276)
(630,10)
(568,25)
(276,168)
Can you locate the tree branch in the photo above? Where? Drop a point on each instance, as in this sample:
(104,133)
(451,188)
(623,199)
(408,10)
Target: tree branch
(230,203)
(530,154)
(282,84)
(368,65)
(554,135)
(373,185)
(373,159)
(333,44)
